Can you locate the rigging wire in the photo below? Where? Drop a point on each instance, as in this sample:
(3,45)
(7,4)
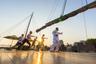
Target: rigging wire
(14,26)
(63,8)
(84,18)
(85,26)
(53,10)
(86,1)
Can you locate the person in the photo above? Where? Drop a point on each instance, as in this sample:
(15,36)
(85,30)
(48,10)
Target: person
(33,43)
(55,46)
(41,42)
(20,39)
(27,39)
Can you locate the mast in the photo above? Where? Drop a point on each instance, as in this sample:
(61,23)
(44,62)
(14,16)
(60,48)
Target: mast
(63,9)
(28,24)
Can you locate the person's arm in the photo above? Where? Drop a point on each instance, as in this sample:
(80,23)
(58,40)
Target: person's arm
(45,38)
(33,36)
(60,33)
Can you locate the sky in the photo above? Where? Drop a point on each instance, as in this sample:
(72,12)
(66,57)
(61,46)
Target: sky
(14,17)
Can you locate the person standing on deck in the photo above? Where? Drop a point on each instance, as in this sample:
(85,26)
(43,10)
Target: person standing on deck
(55,46)
(33,42)
(27,39)
(42,41)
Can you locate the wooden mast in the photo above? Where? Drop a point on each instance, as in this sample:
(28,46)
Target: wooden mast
(28,24)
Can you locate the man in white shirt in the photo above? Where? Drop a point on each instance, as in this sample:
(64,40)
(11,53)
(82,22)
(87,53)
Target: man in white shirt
(55,46)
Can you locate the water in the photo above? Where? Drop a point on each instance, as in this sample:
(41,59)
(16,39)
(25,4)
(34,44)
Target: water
(46,57)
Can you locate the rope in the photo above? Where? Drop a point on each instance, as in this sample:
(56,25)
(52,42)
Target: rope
(84,18)
(85,26)
(86,2)
(14,26)
(64,6)
(53,10)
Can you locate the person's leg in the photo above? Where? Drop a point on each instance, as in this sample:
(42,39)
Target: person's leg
(52,47)
(33,43)
(28,43)
(16,45)
(57,47)
(23,42)
(42,46)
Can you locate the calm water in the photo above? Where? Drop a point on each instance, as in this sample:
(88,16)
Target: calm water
(35,57)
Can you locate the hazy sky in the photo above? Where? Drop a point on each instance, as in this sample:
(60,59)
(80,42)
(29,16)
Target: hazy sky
(12,13)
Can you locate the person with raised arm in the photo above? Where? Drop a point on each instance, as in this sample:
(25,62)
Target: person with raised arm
(27,39)
(55,46)
(19,42)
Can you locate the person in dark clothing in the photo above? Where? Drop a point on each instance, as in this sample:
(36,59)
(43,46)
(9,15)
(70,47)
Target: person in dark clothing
(27,40)
(19,42)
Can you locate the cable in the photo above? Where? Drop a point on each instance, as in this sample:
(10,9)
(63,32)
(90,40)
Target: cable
(85,26)
(14,26)
(53,10)
(64,6)
(84,18)
(86,1)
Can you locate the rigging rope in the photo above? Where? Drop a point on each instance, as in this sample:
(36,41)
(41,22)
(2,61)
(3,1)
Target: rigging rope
(84,18)
(14,26)
(63,9)
(53,10)
(86,2)
(85,26)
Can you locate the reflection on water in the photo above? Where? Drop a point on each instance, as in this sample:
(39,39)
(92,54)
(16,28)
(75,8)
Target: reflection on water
(57,59)
(45,57)
(40,57)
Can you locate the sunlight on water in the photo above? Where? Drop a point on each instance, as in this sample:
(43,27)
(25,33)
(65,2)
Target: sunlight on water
(40,56)
(45,57)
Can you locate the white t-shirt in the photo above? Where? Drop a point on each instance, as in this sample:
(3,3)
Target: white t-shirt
(55,36)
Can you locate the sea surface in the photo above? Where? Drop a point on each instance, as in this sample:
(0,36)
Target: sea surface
(45,57)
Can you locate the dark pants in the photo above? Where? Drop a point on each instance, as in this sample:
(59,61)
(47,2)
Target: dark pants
(18,43)
(25,41)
